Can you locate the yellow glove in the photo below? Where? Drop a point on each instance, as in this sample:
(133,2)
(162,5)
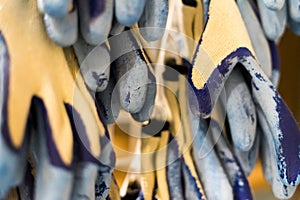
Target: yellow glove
(40,83)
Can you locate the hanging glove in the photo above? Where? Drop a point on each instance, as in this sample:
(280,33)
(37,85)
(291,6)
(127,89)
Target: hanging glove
(54,97)
(215,65)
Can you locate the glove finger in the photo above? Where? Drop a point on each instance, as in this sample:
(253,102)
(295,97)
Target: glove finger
(257,37)
(63,31)
(277,114)
(57,8)
(247,159)
(54,178)
(12,166)
(154,19)
(240,111)
(95,20)
(268,158)
(273,22)
(131,72)
(107,102)
(293,10)
(94,64)
(208,164)
(274,5)
(145,113)
(128,12)
(237,178)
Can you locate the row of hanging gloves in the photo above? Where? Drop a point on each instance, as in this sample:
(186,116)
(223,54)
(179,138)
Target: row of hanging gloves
(234,73)
(95,20)
(52,118)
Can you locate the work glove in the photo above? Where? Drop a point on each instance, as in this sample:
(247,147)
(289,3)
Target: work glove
(239,57)
(48,115)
